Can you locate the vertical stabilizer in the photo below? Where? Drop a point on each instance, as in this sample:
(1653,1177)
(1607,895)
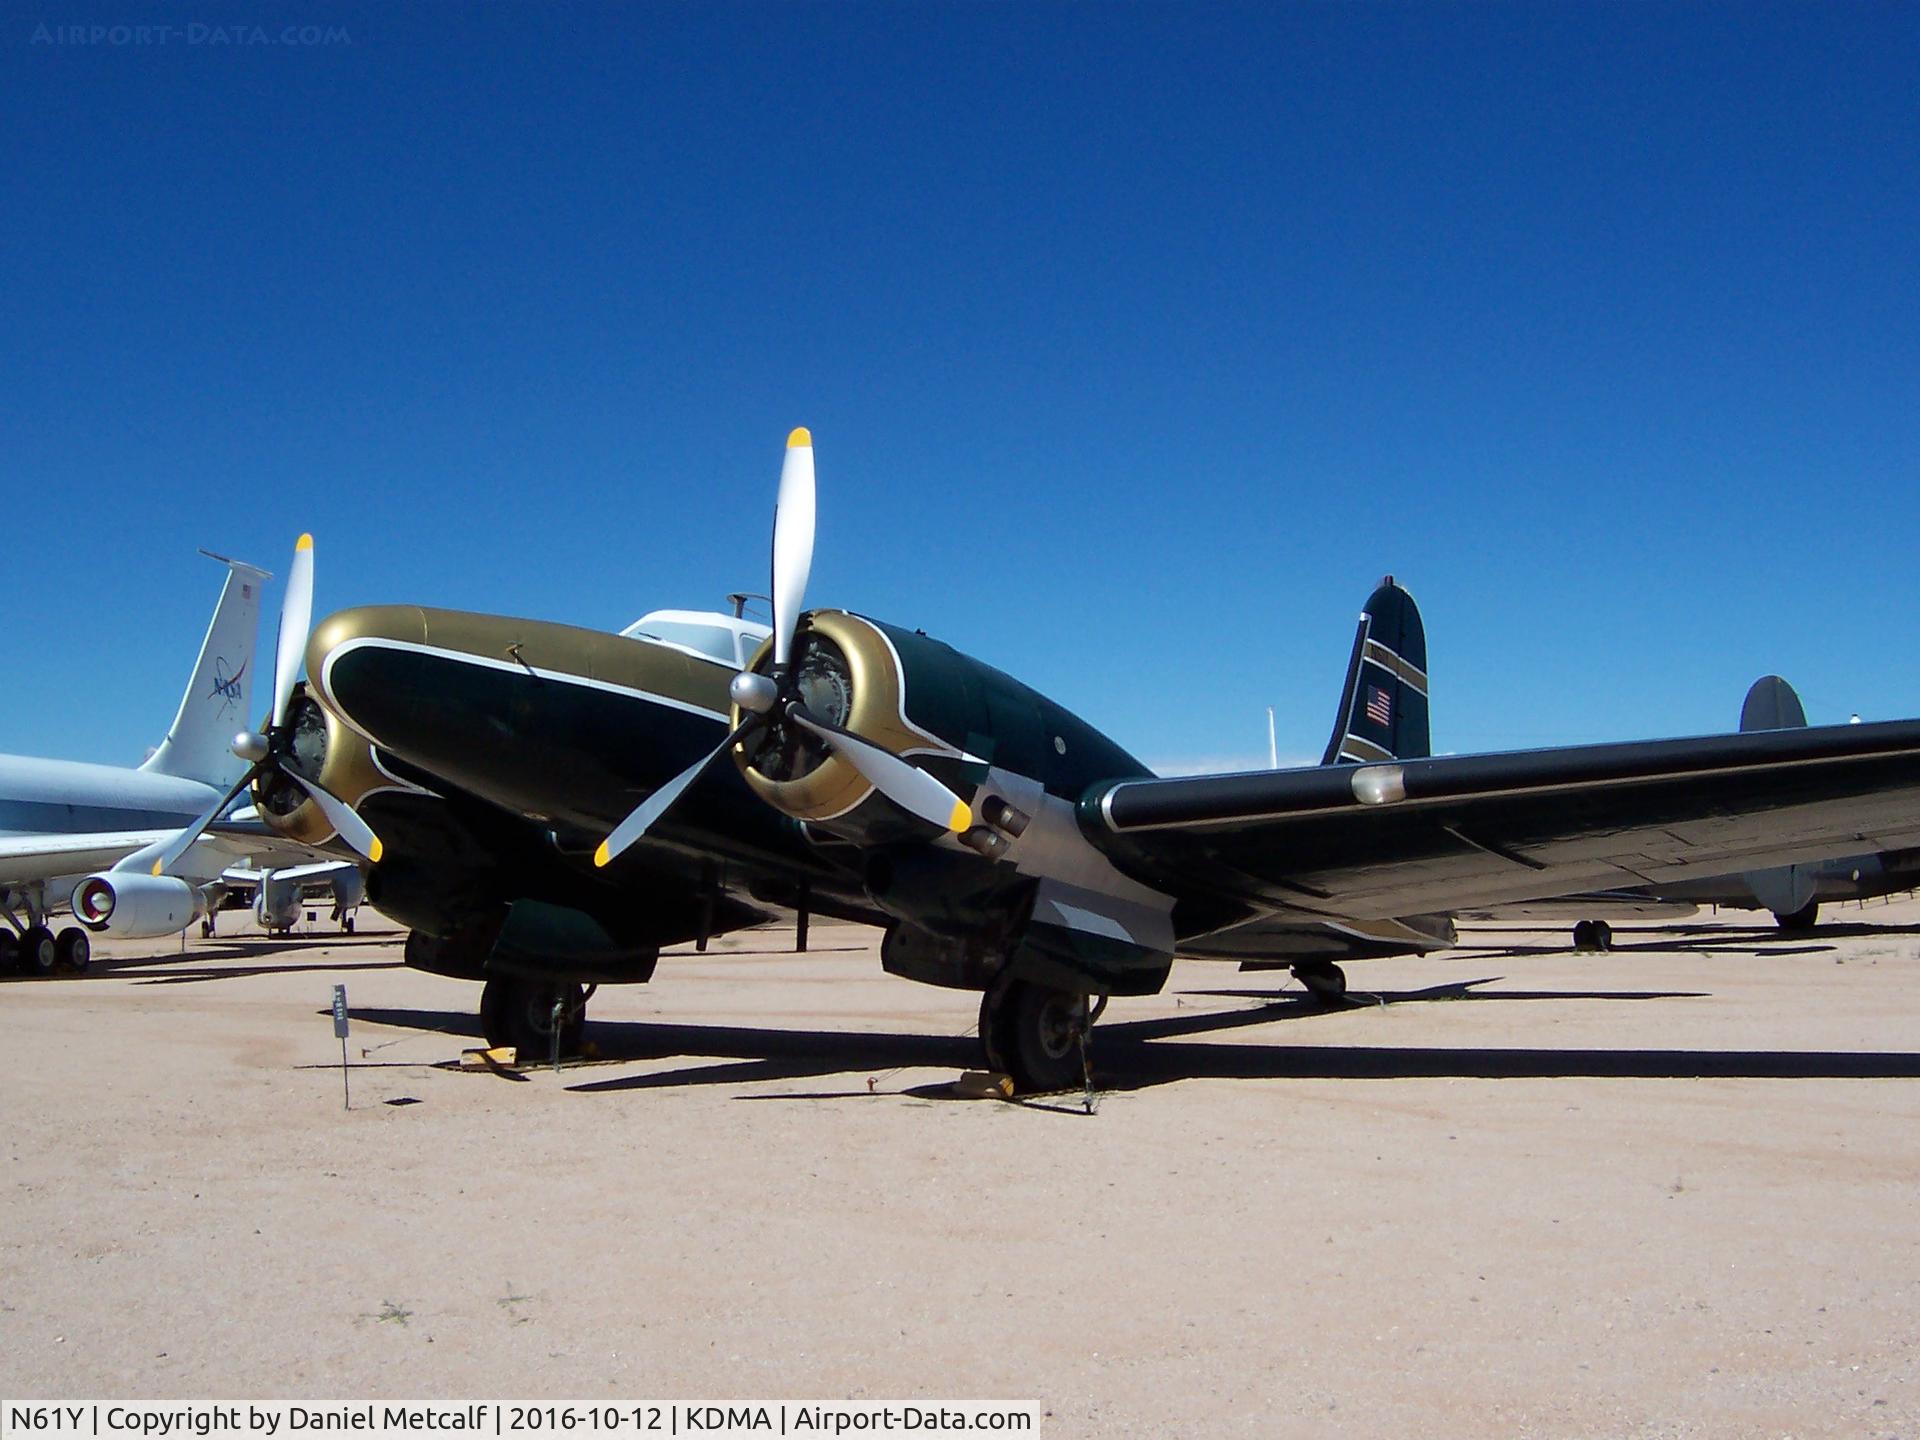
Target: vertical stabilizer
(1772,704)
(1383,709)
(218,699)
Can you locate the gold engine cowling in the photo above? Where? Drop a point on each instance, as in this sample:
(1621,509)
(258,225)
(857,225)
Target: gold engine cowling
(327,753)
(848,674)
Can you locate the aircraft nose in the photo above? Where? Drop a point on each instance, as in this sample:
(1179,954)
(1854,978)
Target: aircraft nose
(346,687)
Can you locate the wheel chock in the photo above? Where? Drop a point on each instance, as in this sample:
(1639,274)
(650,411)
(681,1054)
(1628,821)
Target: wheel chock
(984,1085)
(498,1058)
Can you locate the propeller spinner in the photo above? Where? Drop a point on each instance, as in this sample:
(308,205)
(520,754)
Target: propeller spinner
(775,701)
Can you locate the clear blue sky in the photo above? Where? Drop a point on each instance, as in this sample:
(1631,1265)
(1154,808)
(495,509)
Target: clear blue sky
(1137,341)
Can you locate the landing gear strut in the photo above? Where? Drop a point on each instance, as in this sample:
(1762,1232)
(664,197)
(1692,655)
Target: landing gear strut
(1326,984)
(1034,1033)
(521,1013)
(1592,937)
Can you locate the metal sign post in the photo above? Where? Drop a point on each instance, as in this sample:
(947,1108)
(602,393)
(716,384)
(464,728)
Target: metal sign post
(340,1033)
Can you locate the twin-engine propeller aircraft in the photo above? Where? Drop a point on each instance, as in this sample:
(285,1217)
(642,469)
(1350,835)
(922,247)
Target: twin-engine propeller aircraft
(1008,846)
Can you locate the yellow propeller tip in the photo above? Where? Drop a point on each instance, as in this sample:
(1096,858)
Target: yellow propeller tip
(305,542)
(962,819)
(802,436)
(156,867)
(602,857)
(375,850)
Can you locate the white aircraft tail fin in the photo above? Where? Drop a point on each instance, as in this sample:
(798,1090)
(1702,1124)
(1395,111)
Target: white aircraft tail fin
(218,699)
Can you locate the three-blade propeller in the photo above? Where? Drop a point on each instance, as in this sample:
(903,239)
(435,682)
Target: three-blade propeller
(775,701)
(271,753)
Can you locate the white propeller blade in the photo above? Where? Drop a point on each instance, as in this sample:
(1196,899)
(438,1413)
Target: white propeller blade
(908,786)
(158,858)
(792,542)
(296,616)
(352,829)
(657,804)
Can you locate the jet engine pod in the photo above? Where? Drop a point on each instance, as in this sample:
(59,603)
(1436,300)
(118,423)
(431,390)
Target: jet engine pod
(327,753)
(135,907)
(847,674)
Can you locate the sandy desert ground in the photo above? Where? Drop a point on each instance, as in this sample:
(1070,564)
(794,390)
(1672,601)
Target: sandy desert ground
(1666,1191)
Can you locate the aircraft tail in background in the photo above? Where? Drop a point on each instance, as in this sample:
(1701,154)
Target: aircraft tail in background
(218,698)
(1383,709)
(1786,890)
(1772,704)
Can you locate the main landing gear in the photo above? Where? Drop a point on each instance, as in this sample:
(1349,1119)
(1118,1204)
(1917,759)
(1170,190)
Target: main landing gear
(33,949)
(1035,1033)
(1592,937)
(1326,983)
(525,1014)
(1799,922)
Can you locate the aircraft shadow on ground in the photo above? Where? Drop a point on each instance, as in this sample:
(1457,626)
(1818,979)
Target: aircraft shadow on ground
(1694,939)
(1661,947)
(1141,1054)
(169,973)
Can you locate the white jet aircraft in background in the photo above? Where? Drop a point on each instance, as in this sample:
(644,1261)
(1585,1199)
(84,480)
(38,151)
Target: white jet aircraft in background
(281,896)
(62,820)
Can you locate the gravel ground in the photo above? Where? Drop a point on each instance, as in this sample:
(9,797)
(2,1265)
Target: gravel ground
(1666,1191)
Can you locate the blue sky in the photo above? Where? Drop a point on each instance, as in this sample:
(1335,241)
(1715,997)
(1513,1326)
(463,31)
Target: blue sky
(1137,341)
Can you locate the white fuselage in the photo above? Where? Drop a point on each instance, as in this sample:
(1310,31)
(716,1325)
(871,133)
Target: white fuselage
(50,800)
(72,797)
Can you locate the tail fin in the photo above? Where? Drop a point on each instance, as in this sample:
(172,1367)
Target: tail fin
(1772,705)
(1383,710)
(218,699)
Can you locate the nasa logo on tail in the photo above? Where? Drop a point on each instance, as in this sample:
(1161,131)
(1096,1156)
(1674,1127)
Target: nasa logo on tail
(226,686)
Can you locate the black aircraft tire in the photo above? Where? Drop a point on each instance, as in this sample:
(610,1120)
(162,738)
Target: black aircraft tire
(1801,921)
(73,951)
(38,954)
(494,1004)
(520,1013)
(9,953)
(1326,984)
(1032,1033)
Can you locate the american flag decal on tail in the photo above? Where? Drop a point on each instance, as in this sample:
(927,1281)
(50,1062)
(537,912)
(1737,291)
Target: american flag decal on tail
(1379,706)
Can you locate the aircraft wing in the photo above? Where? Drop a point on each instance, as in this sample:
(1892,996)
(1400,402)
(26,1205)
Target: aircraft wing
(27,858)
(320,870)
(1443,835)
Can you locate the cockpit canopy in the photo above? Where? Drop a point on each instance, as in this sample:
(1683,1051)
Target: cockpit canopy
(728,639)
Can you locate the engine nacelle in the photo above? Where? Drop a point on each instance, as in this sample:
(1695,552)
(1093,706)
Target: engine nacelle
(136,907)
(276,906)
(924,702)
(327,753)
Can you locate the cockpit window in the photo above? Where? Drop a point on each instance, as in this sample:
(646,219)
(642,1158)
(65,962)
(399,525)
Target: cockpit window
(728,639)
(712,641)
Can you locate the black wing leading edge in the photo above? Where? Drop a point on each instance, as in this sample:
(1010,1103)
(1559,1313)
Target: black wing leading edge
(1408,837)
